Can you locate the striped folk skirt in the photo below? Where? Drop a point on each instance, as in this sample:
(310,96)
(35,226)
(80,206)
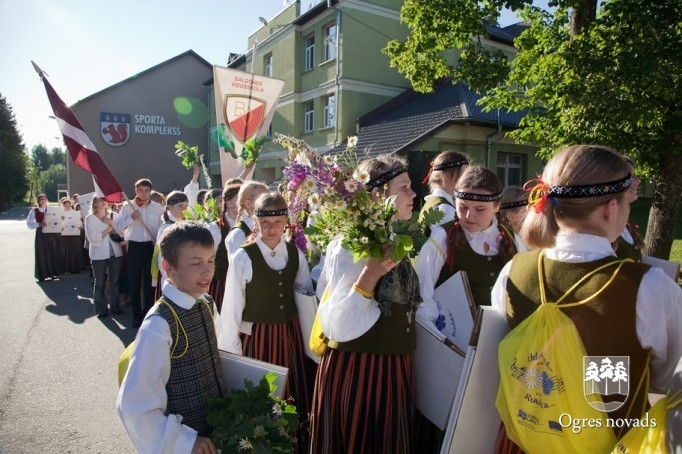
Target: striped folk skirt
(282,344)
(217,291)
(363,403)
(504,445)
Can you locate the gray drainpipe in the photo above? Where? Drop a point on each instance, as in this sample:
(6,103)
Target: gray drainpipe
(488,142)
(338,72)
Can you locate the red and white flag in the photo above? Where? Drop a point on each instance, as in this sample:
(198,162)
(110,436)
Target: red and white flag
(245,104)
(82,150)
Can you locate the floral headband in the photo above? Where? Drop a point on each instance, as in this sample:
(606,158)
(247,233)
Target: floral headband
(385,177)
(478,197)
(510,205)
(443,166)
(541,191)
(266,213)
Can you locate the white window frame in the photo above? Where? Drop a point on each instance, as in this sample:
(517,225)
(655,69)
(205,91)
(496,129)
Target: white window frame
(504,164)
(267,65)
(308,116)
(309,52)
(328,112)
(330,42)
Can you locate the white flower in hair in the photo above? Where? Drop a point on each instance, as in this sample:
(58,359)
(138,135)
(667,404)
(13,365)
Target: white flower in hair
(340,205)
(352,141)
(328,159)
(328,191)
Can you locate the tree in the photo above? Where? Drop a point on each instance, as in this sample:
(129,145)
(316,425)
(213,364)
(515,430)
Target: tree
(13,161)
(611,76)
(57,156)
(41,157)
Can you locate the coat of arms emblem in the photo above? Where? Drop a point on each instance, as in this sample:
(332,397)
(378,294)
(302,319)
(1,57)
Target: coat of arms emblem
(606,383)
(115,128)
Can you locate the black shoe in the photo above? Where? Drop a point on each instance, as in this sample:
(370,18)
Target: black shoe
(104,315)
(117,311)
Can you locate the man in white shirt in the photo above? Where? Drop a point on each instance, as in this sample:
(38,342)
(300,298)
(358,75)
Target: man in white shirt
(140,221)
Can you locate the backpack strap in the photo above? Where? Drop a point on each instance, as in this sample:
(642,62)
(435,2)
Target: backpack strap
(178,326)
(543,297)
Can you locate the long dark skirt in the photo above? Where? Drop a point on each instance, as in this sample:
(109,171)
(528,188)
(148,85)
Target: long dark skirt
(72,248)
(48,255)
(363,403)
(217,291)
(282,344)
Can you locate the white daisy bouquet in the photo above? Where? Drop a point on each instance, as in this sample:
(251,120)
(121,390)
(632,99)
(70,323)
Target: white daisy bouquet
(253,420)
(333,191)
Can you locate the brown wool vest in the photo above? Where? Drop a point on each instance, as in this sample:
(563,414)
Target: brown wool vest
(482,271)
(270,294)
(606,324)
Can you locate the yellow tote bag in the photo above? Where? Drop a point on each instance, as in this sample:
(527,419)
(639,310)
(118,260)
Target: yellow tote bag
(318,341)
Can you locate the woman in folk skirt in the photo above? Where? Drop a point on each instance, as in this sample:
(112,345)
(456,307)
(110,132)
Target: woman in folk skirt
(48,252)
(72,246)
(364,391)
(259,316)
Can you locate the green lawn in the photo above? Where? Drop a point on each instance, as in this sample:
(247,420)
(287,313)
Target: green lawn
(639,214)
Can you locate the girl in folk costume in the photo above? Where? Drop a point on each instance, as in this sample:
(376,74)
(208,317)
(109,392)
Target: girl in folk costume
(364,392)
(630,243)
(72,247)
(48,252)
(259,316)
(176,203)
(106,256)
(246,199)
(443,174)
(227,220)
(475,242)
(580,206)
(513,209)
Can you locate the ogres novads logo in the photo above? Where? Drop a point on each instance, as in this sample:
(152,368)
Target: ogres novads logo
(606,383)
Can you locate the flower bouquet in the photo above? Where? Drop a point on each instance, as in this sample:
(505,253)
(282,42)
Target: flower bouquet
(253,420)
(334,191)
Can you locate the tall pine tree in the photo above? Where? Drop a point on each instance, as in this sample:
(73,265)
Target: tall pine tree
(13,160)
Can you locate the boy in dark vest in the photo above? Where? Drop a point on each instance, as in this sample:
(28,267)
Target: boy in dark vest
(174,367)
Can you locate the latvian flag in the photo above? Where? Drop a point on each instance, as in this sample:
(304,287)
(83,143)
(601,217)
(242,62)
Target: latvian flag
(82,150)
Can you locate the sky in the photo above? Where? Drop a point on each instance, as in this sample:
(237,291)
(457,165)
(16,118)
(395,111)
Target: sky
(85,46)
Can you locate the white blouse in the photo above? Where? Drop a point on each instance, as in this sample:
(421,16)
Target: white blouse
(31,222)
(346,315)
(432,258)
(239,274)
(99,247)
(236,238)
(658,308)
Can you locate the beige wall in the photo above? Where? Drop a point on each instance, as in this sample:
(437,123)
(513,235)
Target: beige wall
(170,101)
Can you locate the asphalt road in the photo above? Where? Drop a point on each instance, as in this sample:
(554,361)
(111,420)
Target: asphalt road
(58,376)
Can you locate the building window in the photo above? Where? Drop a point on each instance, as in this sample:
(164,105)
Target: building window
(267,64)
(330,42)
(308,114)
(329,103)
(309,52)
(510,168)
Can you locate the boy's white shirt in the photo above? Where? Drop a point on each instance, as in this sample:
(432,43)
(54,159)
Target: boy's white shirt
(142,398)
